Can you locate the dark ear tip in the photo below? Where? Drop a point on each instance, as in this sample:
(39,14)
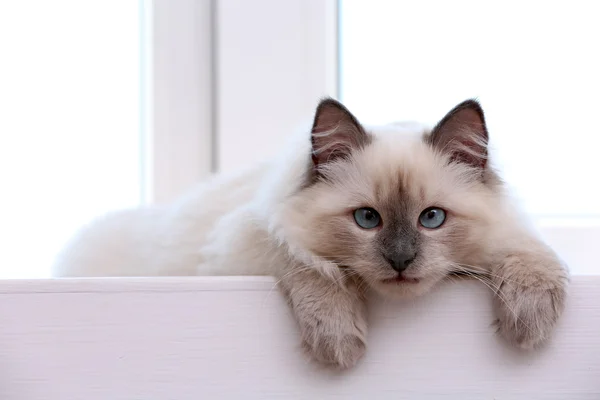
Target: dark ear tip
(470,104)
(330,107)
(329,102)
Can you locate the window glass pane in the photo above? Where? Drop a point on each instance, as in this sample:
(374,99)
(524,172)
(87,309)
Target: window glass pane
(534,66)
(70,137)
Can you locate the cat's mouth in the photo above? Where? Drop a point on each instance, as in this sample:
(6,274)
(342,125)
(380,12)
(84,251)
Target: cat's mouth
(399,280)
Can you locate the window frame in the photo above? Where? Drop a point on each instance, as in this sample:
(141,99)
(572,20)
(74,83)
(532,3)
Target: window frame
(281,80)
(200,99)
(178,103)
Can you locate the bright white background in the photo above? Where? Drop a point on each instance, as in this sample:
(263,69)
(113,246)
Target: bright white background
(70,116)
(112,104)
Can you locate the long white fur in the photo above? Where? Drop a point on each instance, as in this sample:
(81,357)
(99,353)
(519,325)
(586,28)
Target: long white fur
(228,225)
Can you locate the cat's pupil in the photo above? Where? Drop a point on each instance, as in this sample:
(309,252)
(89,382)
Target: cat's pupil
(431,214)
(368,215)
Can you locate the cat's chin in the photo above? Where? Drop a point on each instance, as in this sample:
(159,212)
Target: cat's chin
(403,288)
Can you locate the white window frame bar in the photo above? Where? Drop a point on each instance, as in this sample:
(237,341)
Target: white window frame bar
(179,151)
(205,88)
(267,88)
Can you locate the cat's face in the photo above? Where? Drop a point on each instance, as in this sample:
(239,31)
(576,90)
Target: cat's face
(399,213)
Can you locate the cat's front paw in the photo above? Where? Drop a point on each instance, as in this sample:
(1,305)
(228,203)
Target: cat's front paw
(530,298)
(331,317)
(338,349)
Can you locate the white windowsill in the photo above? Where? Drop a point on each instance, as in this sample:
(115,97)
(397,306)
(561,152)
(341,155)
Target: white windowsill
(219,338)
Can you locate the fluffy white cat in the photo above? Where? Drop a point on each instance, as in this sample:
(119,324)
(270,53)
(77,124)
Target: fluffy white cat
(341,211)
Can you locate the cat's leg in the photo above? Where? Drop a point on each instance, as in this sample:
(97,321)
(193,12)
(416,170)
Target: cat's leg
(331,313)
(531,287)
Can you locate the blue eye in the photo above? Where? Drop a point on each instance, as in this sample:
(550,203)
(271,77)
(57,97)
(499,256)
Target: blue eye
(432,217)
(367,218)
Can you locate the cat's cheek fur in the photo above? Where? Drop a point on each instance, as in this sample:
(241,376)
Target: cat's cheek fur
(530,297)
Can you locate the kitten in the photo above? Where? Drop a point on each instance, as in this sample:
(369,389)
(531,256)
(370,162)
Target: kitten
(340,211)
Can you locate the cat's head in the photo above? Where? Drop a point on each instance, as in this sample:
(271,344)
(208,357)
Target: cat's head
(399,213)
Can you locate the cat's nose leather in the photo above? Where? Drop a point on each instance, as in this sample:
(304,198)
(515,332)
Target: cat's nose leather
(400,261)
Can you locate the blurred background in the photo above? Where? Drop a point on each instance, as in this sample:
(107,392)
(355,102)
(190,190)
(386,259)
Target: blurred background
(118,103)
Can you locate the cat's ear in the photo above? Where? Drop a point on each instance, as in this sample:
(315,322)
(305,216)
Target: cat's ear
(462,133)
(335,133)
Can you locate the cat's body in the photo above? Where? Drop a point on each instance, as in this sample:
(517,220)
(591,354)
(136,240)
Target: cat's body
(221,227)
(339,213)
(168,240)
